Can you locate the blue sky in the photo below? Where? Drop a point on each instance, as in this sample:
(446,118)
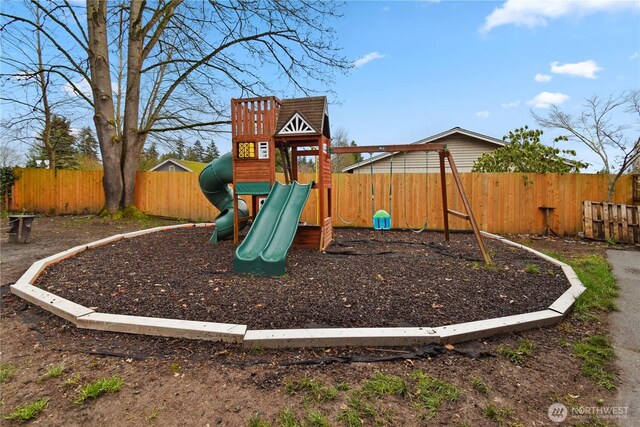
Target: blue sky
(426,67)
(423,67)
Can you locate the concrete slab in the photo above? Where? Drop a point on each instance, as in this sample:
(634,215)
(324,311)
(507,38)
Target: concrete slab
(141,232)
(538,253)
(491,236)
(563,304)
(569,272)
(32,273)
(624,329)
(105,241)
(205,224)
(59,306)
(339,337)
(163,327)
(485,328)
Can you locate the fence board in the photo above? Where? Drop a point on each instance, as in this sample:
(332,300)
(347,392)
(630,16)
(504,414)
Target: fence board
(502,203)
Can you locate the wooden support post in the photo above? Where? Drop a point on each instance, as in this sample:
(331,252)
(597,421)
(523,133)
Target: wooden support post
(236,220)
(445,209)
(294,163)
(467,206)
(286,164)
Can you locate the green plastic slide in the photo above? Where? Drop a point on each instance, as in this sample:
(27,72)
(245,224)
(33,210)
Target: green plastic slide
(264,249)
(214,180)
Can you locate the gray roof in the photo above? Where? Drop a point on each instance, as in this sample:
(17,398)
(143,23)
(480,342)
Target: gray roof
(430,140)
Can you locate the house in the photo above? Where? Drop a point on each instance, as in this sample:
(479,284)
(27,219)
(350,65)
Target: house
(465,146)
(175,165)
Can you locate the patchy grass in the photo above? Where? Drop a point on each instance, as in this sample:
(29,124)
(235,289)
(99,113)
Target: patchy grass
(432,392)
(479,385)
(516,356)
(602,290)
(28,412)
(288,419)
(257,421)
(99,387)
(73,380)
(496,414)
(596,352)
(382,385)
(356,411)
(54,372)
(313,388)
(6,372)
(532,269)
(152,415)
(316,419)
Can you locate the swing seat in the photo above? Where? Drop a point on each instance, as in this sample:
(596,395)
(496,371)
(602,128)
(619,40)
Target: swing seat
(381,220)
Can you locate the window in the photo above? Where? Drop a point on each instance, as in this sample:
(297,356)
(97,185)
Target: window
(172,168)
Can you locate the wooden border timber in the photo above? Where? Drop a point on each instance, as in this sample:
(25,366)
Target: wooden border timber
(443,153)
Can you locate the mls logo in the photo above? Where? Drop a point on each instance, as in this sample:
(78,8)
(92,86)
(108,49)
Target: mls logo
(557,412)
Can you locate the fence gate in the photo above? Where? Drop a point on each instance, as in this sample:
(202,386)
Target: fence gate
(608,221)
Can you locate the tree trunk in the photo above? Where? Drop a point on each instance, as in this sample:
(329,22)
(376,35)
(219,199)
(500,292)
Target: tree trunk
(104,113)
(133,140)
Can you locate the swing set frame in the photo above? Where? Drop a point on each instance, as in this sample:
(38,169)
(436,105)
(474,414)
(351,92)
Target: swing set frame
(444,155)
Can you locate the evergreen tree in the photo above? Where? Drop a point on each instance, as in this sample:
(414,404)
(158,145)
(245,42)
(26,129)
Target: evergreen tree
(198,151)
(87,143)
(61,153)
(149,157)
(357,157)
(180,150)
(211,153)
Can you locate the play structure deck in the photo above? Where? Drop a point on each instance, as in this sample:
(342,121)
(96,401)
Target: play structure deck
(293,128)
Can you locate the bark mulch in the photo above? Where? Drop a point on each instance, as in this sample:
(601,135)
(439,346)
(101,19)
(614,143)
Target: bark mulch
(365,279)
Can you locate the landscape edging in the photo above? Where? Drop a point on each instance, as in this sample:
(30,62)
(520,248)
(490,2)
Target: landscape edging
(87,318)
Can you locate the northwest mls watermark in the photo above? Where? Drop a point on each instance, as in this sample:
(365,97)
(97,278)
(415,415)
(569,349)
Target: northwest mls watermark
(558,412)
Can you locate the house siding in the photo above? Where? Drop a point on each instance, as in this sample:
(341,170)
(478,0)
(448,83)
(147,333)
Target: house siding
(464,149)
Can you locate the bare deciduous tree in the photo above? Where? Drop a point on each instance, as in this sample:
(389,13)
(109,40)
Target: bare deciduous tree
(598,128)
(182,60)
(31,89)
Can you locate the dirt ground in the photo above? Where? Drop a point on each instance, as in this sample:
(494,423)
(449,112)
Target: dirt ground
(180,382)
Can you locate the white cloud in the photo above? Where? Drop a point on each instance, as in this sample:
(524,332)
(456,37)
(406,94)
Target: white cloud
(542,78)
(547,99)
(635,55)
(512,104)
(586,69)
(83,86)
(531,13)
(367,58)
(483,114)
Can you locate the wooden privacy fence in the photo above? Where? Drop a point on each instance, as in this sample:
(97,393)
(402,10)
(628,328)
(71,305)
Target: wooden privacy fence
(608,221)
(502,202)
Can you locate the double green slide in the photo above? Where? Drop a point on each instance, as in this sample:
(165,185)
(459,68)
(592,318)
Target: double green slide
(264,249)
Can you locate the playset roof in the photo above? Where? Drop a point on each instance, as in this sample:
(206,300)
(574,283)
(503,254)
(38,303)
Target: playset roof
(312,110)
